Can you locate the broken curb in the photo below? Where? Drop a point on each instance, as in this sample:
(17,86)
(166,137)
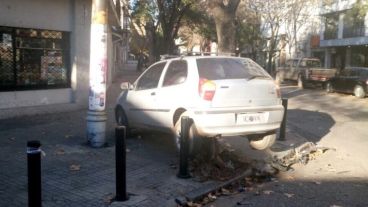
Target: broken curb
(198,194)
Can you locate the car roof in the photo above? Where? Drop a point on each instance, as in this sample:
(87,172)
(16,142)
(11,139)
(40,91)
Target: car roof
(208,57)
(358,68)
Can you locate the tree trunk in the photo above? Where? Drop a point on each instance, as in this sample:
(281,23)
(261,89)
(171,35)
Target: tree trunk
(225,27)
(224,15)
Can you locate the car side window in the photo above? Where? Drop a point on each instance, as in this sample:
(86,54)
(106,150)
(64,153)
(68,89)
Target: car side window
(151,77)
(176,73)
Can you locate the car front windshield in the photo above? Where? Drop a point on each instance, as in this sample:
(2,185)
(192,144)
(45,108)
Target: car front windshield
(229,68)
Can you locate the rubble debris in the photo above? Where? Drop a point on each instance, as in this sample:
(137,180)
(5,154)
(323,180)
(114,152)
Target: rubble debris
(302,154)
(239,174)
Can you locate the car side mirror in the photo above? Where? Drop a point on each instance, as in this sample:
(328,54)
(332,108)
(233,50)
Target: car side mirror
(126,86)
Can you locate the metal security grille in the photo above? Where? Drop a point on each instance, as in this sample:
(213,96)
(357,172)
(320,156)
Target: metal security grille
(33,59)
(6,58)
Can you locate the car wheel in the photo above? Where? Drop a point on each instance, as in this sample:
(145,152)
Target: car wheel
(329,87)
(359,91)
(262,143)
(121,119)
(195,141)
(300,82)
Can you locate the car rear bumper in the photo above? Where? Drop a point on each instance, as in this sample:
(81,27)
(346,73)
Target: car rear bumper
(225,122)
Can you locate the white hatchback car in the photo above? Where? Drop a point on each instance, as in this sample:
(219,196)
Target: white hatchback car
(225,96)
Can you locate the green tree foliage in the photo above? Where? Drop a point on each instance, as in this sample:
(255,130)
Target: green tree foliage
(249,37)
(156,24)
(360,8)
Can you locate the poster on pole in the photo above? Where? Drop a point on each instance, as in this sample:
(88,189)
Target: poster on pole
(98,68)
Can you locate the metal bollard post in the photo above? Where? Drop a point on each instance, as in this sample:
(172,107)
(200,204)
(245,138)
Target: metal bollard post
(34,173)
(283,123)
(120,159)
(184,147)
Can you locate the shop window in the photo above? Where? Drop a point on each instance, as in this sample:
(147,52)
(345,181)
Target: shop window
(33,59)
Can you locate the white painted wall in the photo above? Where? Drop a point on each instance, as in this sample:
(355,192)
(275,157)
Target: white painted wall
(72,16)
(63,15)
(37,14)
(34,98)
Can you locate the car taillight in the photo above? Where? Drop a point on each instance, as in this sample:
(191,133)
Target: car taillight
(206,89)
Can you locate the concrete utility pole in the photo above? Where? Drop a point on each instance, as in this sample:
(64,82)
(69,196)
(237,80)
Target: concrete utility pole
(96,118)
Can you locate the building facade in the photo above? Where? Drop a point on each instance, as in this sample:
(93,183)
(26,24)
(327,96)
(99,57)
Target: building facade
(45,49)
(344,33)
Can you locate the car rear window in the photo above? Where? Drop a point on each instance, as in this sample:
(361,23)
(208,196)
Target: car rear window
(229,68)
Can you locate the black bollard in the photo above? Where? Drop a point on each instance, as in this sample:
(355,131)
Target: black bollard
(34,173)
(184,147)
(120,159)
(283,123)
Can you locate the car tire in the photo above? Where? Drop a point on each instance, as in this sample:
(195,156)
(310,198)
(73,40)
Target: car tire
(262,142)
(301,83)
(359,91)
(121,119)
(195,141)
(329,87)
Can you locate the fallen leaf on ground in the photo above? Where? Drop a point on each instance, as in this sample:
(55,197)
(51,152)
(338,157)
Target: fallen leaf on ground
(60,152)
(12,138)
(127,150)
(74,167)
(68,136)
(191,204)
(109,198)
(225,191)
(317,182)
(244,203)
(289,177)
(268,192)
(212,197)
(289,195)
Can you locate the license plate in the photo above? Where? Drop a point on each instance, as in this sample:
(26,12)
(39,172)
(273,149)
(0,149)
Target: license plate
(251,118)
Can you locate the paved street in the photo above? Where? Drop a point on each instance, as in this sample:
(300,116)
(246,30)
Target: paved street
(336,178)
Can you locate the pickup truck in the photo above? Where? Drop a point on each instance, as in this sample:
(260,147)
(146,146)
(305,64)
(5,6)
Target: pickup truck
(305,71)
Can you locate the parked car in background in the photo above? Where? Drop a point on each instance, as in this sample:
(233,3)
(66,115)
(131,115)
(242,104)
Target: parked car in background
(350,80)
(225,96)
(305,71)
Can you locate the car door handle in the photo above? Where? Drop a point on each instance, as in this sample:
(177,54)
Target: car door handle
(153,93)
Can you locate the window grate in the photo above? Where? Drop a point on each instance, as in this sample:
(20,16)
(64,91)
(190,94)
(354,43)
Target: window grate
(33,59)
